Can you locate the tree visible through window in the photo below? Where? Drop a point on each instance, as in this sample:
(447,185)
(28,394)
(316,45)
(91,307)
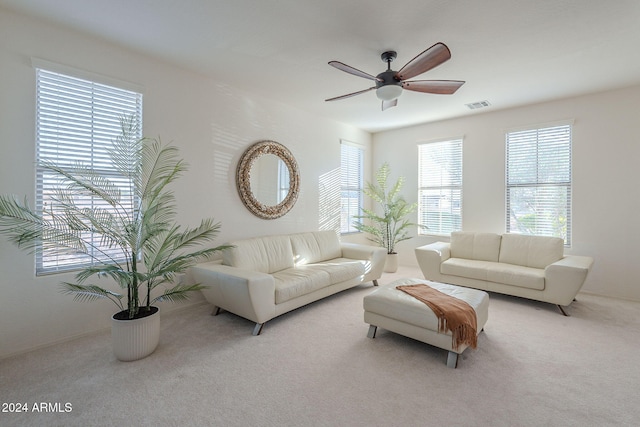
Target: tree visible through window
(440,187)
(351,183)
(76,122)
(539,182)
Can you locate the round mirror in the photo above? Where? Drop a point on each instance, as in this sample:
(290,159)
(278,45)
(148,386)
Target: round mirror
(267,179)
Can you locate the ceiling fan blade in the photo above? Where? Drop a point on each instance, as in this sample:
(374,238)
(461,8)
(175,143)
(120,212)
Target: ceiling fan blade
(441,87)
(349,69)
(389,104)
(349,95)
(430,58)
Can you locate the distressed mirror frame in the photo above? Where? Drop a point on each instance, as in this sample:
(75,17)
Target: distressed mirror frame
(243,179)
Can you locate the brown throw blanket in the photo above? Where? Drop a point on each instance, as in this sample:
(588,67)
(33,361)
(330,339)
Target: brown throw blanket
(454,315)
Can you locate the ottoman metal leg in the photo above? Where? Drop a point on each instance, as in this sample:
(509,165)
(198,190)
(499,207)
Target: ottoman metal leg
(372,331)
(452,360)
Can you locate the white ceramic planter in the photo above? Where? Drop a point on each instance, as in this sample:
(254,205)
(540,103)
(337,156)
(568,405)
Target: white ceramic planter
(137,338)
(391,263)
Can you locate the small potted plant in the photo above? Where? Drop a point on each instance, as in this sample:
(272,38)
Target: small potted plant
(152,251)
(389,227)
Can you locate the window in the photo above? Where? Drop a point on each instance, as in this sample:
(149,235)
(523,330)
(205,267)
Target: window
(351,182)
(539,182)
(440,186)
(76,121)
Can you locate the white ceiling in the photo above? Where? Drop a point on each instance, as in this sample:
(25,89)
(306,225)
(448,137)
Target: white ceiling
(509,52)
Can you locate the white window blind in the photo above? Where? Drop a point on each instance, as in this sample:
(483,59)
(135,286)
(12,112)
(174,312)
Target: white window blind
(440,186)
(351,184)
(539,182)
(76,121)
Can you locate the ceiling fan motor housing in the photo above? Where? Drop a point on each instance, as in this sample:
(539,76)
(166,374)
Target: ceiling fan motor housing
(388,85)
(387,78)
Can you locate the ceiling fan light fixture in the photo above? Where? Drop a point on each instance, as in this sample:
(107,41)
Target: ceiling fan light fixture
(389,92)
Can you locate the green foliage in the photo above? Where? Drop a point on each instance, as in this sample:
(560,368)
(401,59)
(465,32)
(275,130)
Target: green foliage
(152,247)
(390,227)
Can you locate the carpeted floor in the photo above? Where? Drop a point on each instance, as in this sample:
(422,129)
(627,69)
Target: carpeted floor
(316,367)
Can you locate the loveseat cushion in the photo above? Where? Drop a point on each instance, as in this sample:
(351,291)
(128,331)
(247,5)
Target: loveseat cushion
(531,251)
(264,254)
(297,281)
(516,275)
(477,246)
(342,269)
(461,267)
(316,246)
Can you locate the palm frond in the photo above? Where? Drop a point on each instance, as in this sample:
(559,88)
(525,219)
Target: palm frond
(88,293)
(81,180)
(122,276)
(178,293)
(164,253)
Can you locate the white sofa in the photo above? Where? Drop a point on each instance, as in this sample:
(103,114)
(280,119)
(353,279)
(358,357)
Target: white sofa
(264,277)
(533,267)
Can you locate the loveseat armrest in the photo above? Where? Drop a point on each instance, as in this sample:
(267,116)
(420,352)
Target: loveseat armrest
(430,257)
(565,277)
(375,255)
(247,293)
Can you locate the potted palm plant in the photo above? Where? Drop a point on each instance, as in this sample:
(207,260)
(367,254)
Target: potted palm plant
(147,250)
(391,226)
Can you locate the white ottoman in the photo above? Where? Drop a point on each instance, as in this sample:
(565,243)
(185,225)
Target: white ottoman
(396,311)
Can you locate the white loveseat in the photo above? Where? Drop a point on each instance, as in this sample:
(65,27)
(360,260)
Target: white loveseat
(533,267)
(264,277)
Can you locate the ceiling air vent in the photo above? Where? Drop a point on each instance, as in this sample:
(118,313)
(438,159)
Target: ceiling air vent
(476,105)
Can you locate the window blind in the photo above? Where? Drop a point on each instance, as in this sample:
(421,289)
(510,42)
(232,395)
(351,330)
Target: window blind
(440,186)
(76,120)
(351,184)
(538,169)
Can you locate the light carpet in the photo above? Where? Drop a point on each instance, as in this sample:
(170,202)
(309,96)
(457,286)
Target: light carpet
(316,367)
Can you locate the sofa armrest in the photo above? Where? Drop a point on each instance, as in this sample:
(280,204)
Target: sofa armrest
(247,293)
(430,257)
(565,277)
(375,255)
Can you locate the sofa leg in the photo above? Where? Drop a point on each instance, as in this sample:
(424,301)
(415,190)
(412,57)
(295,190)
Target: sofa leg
(562,310)
(372,331)
(452,360)
(257,329)
(216,311)
(375,282)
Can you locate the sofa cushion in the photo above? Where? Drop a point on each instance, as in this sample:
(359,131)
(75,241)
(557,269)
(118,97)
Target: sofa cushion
(297,281)
(531,251)
(461,267)
(315,246)
(516,275)
(478,246)
(265,254)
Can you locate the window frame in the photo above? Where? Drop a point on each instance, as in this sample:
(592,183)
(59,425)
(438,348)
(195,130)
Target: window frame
(541,164)
(453,185)
(77,116)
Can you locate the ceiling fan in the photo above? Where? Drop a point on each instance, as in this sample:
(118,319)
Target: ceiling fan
(389,84)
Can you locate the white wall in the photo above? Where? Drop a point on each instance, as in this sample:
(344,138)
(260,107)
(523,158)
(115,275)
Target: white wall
(212,124)
(606,162)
